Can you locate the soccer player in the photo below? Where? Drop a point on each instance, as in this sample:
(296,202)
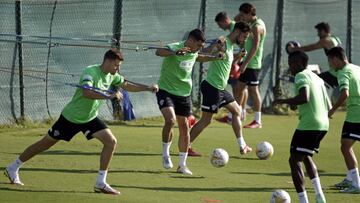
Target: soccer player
(251,65)
(313,104)
(173,97)
(348,76)
(80,114)
(224,22)
(326,42)
(213,88)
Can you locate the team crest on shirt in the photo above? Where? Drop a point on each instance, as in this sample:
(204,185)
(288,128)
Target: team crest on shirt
(187,64)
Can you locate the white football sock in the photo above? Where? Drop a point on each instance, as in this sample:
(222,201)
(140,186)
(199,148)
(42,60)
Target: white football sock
(317,186)
(166,149)
(16,164)
(303,197)
(348,176)
(101,180)
(355,177)
(241,142)
(182,158)
(257,115)
(243,113)
(229,115)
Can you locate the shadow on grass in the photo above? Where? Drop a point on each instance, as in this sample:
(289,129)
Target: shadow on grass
(321,173)
(71,152)
(89,171)
(19,189)
(245,158)
(200,189)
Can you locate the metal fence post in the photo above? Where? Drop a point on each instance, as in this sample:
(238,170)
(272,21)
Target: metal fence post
(349,30)
(18,39)
(278,46)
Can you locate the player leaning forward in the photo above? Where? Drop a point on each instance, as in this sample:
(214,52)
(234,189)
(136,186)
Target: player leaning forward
(213,88)
(313,103)
(80,114)
(173,98)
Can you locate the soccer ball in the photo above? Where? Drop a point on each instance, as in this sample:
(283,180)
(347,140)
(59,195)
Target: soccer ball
(280,196)
(219,157)
(264,150)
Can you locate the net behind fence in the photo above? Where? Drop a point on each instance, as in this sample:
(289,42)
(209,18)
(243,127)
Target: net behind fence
(156,22)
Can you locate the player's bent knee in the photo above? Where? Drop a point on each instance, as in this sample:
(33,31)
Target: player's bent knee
(170,122)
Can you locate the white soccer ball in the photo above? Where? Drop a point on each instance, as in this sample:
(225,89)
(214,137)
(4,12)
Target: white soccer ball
(280,196)
(219,157)
(264,150)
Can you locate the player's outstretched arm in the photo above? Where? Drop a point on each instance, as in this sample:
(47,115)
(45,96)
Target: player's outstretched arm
(137,87)
(165,52)
(342,98)
(302,98)
(209,57)
(89,94)
(311,47)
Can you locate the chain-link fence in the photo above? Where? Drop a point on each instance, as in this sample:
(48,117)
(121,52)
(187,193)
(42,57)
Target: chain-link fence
(92,23)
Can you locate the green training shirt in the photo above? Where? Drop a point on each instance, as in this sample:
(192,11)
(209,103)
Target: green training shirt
(219,70)
(82,110)
(349,78)
(256,61)
(175,75)
(313,115)
(232,25)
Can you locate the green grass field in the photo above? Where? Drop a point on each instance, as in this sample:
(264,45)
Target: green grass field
(67,172)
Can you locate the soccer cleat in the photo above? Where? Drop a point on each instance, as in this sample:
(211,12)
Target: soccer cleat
(343,184)
(245,150)
(253,125)
(191,152)
(351,190)
(184,170)
(106,189)
(320,199)
(167,163)
(224,119)
(13,176)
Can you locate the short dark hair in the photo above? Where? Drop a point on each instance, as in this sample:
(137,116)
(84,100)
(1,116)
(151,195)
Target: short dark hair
(323,26)
(242,26)
(113,54)
(222,16)
(197,34)
(248,8)
(300,56)
(337,52)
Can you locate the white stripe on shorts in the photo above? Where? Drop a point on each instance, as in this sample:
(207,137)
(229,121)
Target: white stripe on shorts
(205,107)
(354,135)
(304,150)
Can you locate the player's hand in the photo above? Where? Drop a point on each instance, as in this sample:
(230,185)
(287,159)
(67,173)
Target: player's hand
(153,88)
(220,44)
(182,51)
(117,96)
(331,112)
(243,67)
(221,55)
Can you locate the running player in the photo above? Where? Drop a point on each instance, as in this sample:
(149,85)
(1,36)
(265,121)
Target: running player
(326,42)
(80,114)
(173,97)
(224,22)
(348,76)
(213,88)
(313,104)
(251,65)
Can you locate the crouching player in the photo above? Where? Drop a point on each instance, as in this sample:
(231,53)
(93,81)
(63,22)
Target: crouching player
(80,114)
